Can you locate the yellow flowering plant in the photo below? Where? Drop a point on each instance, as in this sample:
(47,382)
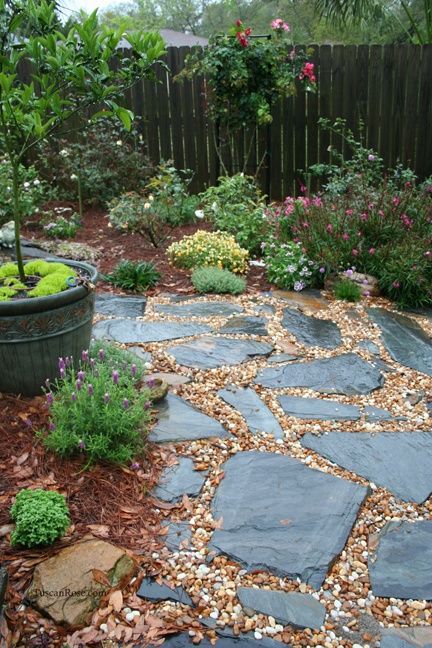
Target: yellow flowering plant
(202,249)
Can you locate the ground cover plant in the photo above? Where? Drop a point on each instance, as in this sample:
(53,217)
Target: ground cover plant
(287,265)
(42,279)
(216,280)
(40,516)
(203,248)
(131,275)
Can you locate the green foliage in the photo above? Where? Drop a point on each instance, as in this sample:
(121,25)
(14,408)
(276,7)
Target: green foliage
(101,410)
(60,222)
(134,275)
(215,280)
(105,160)
(41,516)
(33,190)
(53,279)
(169,190)
(204,248)
(237,205)
(347,290)
(287,265)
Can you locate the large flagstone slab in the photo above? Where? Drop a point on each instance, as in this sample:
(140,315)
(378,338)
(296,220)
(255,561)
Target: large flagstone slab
(311,331)
(344,374)
(417,637)
(255,412)
(398,461)
(245,325)
(118,306)
(199,309)
(211,352)
(401,565)
(281,516)
(131,331)
(287,608)
(404,339)
(318,408)
(178,480)
(227,640)
(179,420)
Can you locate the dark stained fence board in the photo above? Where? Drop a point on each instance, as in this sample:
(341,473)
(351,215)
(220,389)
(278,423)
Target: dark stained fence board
(164,113)
(175,109)
(411,106)
(202,175)
(398,105)
(337,92)
(424,122)
(324,100)
(362,75)
(299,138)
(350,89)
(312,120)
(374,96)
(151,121)
(188,115)
(288,147)
(276,153)
(386,117)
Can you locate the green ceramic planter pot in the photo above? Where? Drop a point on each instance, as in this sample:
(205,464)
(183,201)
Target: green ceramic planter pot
(34,333)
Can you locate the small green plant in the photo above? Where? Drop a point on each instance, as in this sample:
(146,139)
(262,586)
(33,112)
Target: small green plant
(60,222)
(203,248)
(41,516)
(99,410)
(134,275)
(347,290)
(287,265)
(215,280)
(41,279)
(236,205)
(33,190)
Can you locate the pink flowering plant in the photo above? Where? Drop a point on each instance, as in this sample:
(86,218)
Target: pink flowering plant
(101,410)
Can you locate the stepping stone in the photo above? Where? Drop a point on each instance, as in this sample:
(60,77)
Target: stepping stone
(373,413)
(419,637)
(245,324)
(281,357)
(264,309)
(280,516)
(109,304)
(398,461)
(404,339)
(318,408)
(178,480)
(144,356)
(344,374)
(152,591)
(369,346)
(212,352)
(401,565)
(311,331)
(178,536)
(199,309)
(129,331)
(179,420)
(257,415)
(171,379)
(227,640)
(311,299)
(287,608)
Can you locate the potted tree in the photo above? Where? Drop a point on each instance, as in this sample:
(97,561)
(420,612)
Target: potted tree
(71,76)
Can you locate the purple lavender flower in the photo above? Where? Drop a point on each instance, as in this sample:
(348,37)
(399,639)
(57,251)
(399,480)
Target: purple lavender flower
(147,405)
(68,361)
(322,270)
(106,398)
(349,272)
(81,444)
(115,377)
(61,364)
(90,390)
(78,385)
(150,383)
(73,397)
(81,376)
(49,398)
(135,465)
(298,286)
(133,370)
(101,354)
(125,403)
(62,373)
(85,356)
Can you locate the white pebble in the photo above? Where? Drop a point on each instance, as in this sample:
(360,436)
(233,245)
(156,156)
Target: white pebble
(257,635)
(214,614)
(103,627)
(130,616)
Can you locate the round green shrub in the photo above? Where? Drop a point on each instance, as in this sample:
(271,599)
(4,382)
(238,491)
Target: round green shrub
(41,517)
(215,280)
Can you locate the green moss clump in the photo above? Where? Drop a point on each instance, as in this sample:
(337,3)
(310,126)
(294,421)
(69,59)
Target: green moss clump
(8,270)
(44,268)
(53,280)
(6,293)
(49,285)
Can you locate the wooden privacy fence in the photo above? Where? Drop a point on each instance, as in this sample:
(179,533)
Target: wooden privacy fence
(389,87)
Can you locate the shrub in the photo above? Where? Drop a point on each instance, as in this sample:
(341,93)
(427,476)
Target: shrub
(347,290)
(106,160)
(41,517)
(215,280)
(208,249)
(32,195)
(237,206)
(171,200)
(287,265)
(60,222)
(99,410)
(134,275)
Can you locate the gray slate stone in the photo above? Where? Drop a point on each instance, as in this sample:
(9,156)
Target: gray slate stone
(343,374)
(199,309)
(109,304)
(130,331)
(418,637)
(402,564)
(255,412)
(373,413)
(245,324)
(404,339)
(318,408)
(179,534)
(369,346)
(178,480)
(287,608)
(311,331)
(264,309)
(226,640)
(140,353)
(399,461)
(179,420)
(283,517)
(212,352)
(281,357)
(152,591)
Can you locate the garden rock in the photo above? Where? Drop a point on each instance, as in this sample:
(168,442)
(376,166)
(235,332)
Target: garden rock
(199,309)
(369,346)
(404,339)
(109,304)
(281,357)
(131,331)
(153,591)
(309,299)
(373,413)
(178,480)
(420,637)
(257,415)
(179,420)
(398,461)
(344,374)
(311,331)
(292,608)
(212,352)
(178,535)
(401,565)
(226,640)
(368,285)
(318,408)
(283,517)
(144,356)
(246,324)
(67,587)
(171,379)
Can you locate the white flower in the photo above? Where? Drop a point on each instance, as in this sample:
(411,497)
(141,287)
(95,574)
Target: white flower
(258,263)
(119,143)
(199,213)
(64,153)
(26,185)
(151,197)
(147,205)
(214,206)
(74,177)
(291,269)
(36,182)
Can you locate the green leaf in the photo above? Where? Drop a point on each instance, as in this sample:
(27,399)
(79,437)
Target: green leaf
(125,117)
